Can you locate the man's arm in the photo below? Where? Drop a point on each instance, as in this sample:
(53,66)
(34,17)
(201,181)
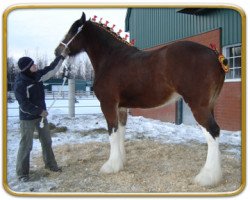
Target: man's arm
(51,70)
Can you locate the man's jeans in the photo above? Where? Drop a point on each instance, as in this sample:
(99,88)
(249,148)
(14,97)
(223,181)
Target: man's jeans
(27,128)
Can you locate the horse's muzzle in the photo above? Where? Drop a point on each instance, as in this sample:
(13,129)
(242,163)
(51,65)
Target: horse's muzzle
(58,50)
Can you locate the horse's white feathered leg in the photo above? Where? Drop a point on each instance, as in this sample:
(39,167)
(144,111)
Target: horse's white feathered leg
(121,134)
(117,152)
(211,173)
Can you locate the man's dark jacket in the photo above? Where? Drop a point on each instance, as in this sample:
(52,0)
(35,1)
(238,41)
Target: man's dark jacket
(29,91)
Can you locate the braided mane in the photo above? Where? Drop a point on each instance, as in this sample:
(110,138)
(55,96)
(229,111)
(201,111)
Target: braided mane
(110,31)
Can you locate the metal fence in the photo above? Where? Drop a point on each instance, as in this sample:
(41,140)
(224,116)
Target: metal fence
(62,95)
(53,96)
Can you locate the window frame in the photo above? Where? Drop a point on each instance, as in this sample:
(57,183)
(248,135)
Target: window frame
(224,51)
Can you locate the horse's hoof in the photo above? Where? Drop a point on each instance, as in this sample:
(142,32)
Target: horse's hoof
(208,178)
(111,167)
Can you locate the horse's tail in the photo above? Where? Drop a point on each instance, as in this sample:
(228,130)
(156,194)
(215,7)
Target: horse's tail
(223,61)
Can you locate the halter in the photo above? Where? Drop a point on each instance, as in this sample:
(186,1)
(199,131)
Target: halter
(78,31)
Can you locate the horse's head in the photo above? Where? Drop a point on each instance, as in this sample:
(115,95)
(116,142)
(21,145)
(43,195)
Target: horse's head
(73,39)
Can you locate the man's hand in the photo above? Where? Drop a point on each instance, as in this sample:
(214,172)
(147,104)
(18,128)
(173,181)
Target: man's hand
(44,113)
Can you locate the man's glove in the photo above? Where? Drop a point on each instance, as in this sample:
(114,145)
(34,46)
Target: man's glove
(44,113)
(65,52)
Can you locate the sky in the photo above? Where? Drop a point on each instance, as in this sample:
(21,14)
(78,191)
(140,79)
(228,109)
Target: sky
(37,32)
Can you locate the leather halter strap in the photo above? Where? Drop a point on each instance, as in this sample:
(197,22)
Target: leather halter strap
(67,44)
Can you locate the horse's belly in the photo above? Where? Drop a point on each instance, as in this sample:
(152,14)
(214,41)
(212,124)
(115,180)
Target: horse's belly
(150,102)
(172,99)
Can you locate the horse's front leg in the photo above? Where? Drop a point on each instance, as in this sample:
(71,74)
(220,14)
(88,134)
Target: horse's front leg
(116,157)
(123,115)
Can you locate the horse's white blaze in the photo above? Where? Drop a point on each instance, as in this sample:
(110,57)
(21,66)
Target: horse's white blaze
(117,152)
(211,173)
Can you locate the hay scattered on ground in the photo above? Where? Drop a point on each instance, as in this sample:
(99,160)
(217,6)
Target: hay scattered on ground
(151,167)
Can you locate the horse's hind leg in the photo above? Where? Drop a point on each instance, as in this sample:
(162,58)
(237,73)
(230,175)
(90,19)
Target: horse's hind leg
(116,138)
(211,173)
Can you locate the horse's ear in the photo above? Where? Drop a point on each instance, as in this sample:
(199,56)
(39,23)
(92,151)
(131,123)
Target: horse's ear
(83,18)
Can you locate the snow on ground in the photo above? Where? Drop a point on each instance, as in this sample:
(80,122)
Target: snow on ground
(90,119)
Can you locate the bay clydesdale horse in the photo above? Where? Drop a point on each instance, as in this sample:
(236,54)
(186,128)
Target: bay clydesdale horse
(126,77)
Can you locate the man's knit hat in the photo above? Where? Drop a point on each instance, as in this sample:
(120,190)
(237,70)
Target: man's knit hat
(25,63)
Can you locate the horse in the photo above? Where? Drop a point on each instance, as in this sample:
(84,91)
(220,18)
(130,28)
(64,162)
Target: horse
(126,77)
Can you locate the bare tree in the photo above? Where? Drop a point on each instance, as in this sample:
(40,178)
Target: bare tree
(11,71)
(80,67)
(89,72)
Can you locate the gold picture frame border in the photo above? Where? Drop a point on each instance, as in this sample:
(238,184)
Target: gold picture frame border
(130,5)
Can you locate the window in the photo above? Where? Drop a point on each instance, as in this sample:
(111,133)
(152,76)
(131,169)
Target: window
(233,54)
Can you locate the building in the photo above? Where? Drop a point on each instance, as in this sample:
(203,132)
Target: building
(153,27)
(56,84)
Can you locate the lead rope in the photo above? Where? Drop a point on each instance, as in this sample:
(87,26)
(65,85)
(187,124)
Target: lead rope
(65,77)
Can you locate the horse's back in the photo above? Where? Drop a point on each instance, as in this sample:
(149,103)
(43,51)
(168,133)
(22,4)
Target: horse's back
(183,57)
(195,70)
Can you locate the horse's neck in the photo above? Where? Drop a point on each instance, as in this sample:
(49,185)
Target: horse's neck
(101,45)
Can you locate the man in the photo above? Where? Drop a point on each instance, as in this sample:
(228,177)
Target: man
(29,92)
